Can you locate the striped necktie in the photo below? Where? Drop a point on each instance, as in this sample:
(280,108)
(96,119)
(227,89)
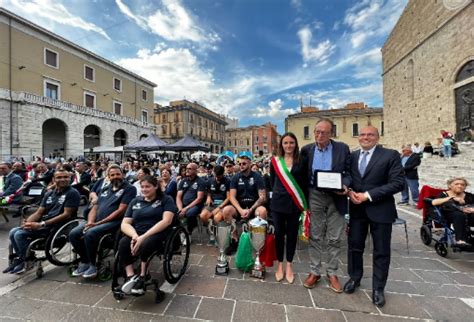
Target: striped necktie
(363,163)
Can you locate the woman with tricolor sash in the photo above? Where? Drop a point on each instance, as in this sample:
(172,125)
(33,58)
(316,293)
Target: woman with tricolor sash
(288,175)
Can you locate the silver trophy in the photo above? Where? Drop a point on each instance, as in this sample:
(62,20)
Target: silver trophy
(258,229)
(223,231)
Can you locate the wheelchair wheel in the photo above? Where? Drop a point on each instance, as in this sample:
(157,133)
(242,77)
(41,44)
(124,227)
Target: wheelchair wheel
(176,255)
(118,278)
(441,249)
(425,235)
(59,250)
(105,272)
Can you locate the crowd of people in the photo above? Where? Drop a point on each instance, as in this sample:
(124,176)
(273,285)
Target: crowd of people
(338,190)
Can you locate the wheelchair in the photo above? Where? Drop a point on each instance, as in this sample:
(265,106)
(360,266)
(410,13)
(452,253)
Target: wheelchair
(55,248)
(436,228)
(174,257)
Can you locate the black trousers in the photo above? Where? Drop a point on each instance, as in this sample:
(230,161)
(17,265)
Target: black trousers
(461,222)
(285,225)
(151,244)
(381,237)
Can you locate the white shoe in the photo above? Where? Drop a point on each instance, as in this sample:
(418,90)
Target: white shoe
(129,284)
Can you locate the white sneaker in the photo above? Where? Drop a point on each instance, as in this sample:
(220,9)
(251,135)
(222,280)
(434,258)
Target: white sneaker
(129,284)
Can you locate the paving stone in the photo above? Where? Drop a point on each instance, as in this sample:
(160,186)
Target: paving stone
(198,270)
(423,263)
(369,317)
(37,288)
(108,301)
(432,289)
(194,258)
(462,265)
(183,306)
(403,305)
(60,274)
(298,313)
(52,312)
(78,293)
(250,311)
(434,277)
(101,314)
(17,307)
(262,291)
(215,309)
(403,274)
(209,261)
(202,286)
(460,278)
(328,299)
(146,303)
(446,309)
(204,250)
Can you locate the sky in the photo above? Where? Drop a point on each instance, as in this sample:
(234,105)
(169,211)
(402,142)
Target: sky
(256,60)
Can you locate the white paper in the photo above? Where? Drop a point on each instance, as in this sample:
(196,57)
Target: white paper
(329,180)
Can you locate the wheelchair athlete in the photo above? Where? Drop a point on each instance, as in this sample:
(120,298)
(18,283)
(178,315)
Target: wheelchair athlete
(57,206)
(146,226)
(104,218)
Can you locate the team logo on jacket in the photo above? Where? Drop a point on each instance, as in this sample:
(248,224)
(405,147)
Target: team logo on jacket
(119,193)
(251,182)
(195,185)
(222,187)
(61,199)
(49,200)
(137,206)
(156,204)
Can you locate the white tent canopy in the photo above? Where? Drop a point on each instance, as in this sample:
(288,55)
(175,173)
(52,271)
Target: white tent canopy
(105,149)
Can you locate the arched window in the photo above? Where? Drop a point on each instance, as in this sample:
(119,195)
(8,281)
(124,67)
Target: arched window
(466,71)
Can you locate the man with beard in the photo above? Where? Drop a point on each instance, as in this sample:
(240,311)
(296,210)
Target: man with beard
(57,206)
(104,218)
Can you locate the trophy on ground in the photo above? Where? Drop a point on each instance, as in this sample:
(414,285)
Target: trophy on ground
(258,229)
(223,231)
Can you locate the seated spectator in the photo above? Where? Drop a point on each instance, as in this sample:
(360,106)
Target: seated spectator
(217,198)
(146,226)
(190,196)
(57,206)
(11,184)
(458,207)
(140,174)
(81,179)
(104,218)
(427,150)
(19,169)
(168,184)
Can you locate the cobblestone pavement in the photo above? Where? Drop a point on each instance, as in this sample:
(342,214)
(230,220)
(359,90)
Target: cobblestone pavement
(421,285)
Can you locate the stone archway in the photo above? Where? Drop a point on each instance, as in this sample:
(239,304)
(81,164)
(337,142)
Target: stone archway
(54,137)
(91,136)
(120,138)
(143,136)
(465,103)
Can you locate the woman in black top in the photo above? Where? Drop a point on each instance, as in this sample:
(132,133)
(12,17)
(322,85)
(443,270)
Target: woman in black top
(145,226)
(284,211)
(458,207)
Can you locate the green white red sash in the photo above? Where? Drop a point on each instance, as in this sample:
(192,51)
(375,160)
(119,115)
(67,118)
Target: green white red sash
(294,190)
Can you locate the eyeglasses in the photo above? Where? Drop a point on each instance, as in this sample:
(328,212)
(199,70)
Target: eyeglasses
(244,163)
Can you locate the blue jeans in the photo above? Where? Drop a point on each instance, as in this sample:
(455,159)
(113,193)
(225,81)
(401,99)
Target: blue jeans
(21,239)
(412,185)
(85,244)
(447,153)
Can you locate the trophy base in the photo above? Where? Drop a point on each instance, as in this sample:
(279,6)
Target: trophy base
(258,273)
(222,270)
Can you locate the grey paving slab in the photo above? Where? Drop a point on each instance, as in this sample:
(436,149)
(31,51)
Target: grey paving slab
(208,260)
(204,250)
(268,292)
(434,277)
(147,303)
(403,305)
(194,258)
(101,314)
(298,313)
(183,306)
(432,289)
(198,270)
(461,278)
(37,288)
(108,301)
(371,317)
(423,263)
(462,265)
(445,308)
(16,307)
(201,286)
(50,311)
(215,309)
(78,293)
(328,299)
(251,311)
(403,274)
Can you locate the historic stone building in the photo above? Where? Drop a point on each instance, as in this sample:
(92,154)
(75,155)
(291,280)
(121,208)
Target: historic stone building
(253,138)
(183,117)
(59,98)
(428,72)
(348,121)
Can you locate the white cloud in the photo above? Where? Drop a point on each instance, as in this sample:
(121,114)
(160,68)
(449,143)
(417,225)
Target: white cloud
(320,53)
(172,22)
(372,18)
(52,11)
(274,110)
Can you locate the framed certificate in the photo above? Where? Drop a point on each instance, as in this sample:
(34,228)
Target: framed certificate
(330,181)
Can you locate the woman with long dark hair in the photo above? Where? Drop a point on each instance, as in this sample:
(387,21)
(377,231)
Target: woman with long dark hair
(288,180)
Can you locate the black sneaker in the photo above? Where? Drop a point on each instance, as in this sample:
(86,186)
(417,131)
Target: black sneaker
(12,265)
(139,287)
(129,284)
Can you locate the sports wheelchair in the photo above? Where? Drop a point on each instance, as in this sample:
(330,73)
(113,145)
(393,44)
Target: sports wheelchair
(175,258)
(55,248)
(436,227)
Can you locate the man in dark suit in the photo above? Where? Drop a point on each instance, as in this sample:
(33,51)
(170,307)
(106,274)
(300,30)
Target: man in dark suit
(82,180)
(11,182)
(377,175)
(410,162)
(327,208)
